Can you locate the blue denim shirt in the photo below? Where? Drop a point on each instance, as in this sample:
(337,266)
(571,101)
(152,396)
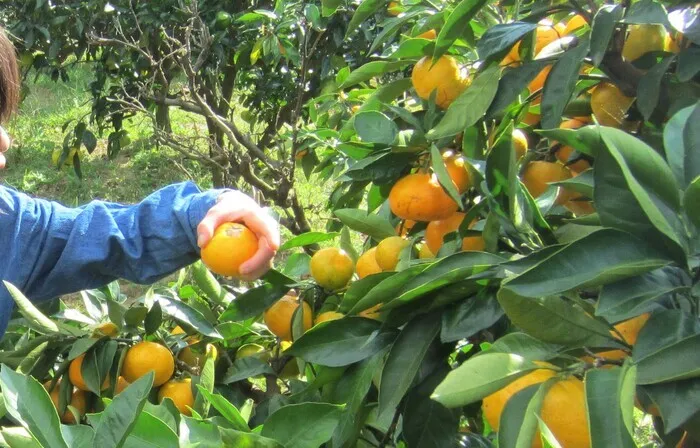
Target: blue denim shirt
(47,250)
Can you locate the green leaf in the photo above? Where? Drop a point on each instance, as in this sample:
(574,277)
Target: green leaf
(691,201)
(469,317)
(358,289)
(18,437)
(179,310)
(120,417)
(307,239)
(232,438)
(148,432)
(256,300)
(682,144)
(385,290)
(205,382)
(362,13)
(518,422)
(583,183)
(35,318)
(29,404)
(443,176)
(375,127)
(479,377)
(602,257)
(602,30)
(646,11)
(405,358)
(650,85)
(329,7)
(247,367)
(666,348)
(678,401)
(604,403)
(342,342)
(198,434)
(501,37)
(566,323)
(635,191)
(371,70)
(513,82)
(688,64)
(630,297)
(469,107)
(351,390)
(373,225)
(560,85)
(226,409)
(525,346)
(456,25)
(303,425)
(392,26)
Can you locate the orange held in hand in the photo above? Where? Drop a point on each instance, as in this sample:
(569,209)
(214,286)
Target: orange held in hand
(232,245)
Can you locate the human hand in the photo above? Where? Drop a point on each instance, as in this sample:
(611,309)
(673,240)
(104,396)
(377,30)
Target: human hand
(4,146)
(234,206)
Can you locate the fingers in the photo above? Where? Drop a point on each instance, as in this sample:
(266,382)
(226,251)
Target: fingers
(259,263)
(216,216)
(4,140)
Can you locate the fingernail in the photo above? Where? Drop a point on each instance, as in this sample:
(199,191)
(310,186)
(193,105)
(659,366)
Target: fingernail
(200,240)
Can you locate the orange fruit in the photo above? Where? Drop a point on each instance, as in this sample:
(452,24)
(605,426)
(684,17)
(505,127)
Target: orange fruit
(574,23)
(177,330)
(444,76)
(610,105)
(420,197)
(430,34)
(78,401)
(629,330)
(371,312)
(332,268)
(76,376)
(545,34)
(232,245)
(196,357)
(642,39)
(278,317)
(539,174)
(147,357)
(106,329)
(367,264)
(563,409)
(538,83)
(388,251)
(405,227)
(436,230)
(424,251)
(300,155)
(393,9)
(328,315)
(456,166)
(531,119)
(180,391)
(121,385)
(671,44)
(519,143)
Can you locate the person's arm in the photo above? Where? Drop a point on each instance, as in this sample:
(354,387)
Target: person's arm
(50,250)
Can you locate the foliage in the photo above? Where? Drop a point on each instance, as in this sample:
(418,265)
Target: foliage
(419,347)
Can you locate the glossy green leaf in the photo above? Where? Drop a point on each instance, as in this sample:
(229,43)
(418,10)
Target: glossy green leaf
(513,83)
(375,127)
(682,145)
(567,323)
(501,37)
(362,13)
(469,107)
(635,191)
(456,25)
(525,346)
(29,404)
(177,309)
(385,290)
(358,289)
(666,348)
(18,437)
(646,11)
(308,238)
(198,434)
(256,300)
(120,417)
(405,358)
(35,318)
(678,401)
(373,225)
(342,342)
(371,70)
(303,425)
(226,409)
(602,257)
(560,84)
(235,438)
(443,176)
(688,64)
(649,87)
(691,201)
(518,422)
(469,317)
(602,31)
(479,377)
(604,400)
(244,368)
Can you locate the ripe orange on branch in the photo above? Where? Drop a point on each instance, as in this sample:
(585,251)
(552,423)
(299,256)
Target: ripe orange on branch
(436,230)
(196,357)
(78,401)
(610,105)
(76,376)
(444,76)
(388,252)
(420,197)
(180,391)
(367,264)
(563,154)
(629,330)
(147,357)
(456,166)
(278,317)
(643,39)
(232,245)
(332,268)
(539,174)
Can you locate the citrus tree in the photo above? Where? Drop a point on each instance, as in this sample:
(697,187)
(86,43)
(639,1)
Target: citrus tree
(522,177)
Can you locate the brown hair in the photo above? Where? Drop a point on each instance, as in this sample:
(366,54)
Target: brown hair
(9,77)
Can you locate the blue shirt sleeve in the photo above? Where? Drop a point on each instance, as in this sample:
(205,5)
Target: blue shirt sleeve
(47,250)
